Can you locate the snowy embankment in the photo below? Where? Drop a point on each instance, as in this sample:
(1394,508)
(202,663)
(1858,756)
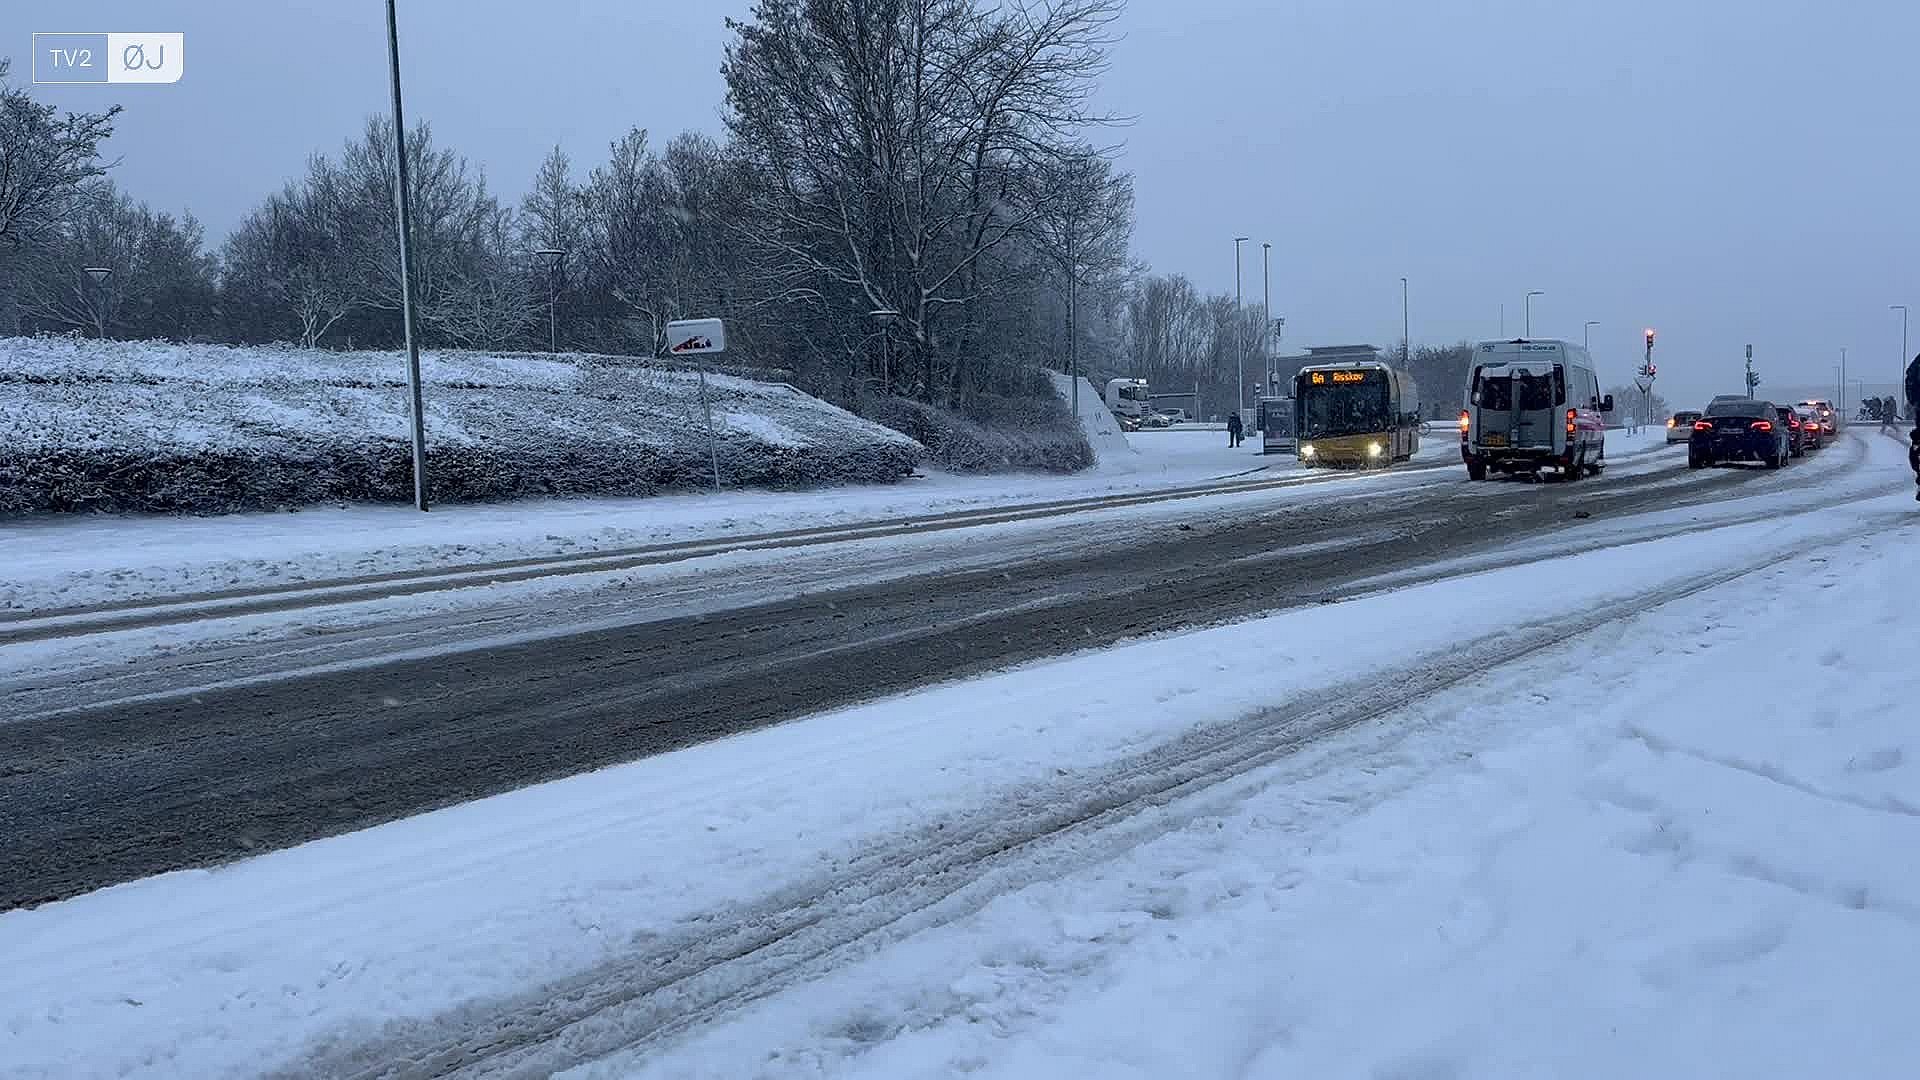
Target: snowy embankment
(1647,849)
(91,425)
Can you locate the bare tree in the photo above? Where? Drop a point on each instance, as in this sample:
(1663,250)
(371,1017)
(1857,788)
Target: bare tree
(894,142)
(102,228)
(45,158)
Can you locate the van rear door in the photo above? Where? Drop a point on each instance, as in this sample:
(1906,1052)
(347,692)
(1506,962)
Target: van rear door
(1516,404)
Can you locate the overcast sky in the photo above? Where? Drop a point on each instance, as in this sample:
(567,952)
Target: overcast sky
(1727,171)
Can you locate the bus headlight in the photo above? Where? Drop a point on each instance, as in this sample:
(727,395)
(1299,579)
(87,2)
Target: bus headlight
(1306,450)
(1374,449)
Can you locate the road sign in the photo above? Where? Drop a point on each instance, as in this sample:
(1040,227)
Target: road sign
(689,337)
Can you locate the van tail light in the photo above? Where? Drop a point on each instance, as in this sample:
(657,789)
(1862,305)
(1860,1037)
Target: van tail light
(1573,417)
(1465,419)
(1703,425)
(1669,421)
(1762,425)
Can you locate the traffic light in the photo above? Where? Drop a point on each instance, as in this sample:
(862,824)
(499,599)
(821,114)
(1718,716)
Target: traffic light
(1649,337)
(1653,371)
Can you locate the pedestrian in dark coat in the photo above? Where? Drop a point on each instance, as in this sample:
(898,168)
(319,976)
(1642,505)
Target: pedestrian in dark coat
(1234,430)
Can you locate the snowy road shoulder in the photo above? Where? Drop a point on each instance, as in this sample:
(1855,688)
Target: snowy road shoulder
(478,903)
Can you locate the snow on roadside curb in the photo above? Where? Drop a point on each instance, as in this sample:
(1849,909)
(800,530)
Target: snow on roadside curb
(249,962)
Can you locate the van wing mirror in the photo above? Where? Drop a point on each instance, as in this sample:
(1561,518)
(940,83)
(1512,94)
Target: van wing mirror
(1606,403)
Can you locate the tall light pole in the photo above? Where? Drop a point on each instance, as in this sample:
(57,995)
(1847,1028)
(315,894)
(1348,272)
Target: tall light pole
(1266,314)
(100,274)
(553,257)
(1406,328)
(403,203)
(1900,369)
(1586,333)
(1239,330)
(1843,382)
(1527,304)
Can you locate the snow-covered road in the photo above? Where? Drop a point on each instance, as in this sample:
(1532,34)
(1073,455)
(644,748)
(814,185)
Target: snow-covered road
(1640,810)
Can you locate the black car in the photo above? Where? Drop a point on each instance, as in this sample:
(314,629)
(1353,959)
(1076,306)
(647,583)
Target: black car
(1740,430)
(1796,432)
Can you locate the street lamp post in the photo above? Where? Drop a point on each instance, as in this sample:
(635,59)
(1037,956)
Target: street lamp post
(1843,382)
(553,257)
(885,318)
(403,204)
(1586,333)
(1527,305)
(1266,312)
(1239,331)
(1900,369)
(99,274)
(1406,328)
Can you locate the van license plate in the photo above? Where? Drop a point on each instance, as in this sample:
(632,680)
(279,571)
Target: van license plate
(1491,439)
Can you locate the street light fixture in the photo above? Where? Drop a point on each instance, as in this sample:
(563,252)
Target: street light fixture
(1527,307)
(1586,333)
(553,257)
(1239,332)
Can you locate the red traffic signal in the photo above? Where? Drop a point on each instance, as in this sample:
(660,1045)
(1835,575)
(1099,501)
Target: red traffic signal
(1649,337)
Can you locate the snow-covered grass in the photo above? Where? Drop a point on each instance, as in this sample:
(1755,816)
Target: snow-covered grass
(1567,831)
(90,425)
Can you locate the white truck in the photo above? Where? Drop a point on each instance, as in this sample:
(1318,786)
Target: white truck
(1127,400)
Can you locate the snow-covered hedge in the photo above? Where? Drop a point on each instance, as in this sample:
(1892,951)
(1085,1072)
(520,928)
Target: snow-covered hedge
(995,433)
(90,425)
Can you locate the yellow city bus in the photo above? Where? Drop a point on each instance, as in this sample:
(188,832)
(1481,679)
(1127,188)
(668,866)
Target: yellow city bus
(1355,414)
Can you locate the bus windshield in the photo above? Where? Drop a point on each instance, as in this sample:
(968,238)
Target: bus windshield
(1352,409)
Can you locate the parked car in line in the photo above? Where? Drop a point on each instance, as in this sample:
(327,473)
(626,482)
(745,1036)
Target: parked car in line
(1157,420)
(1829,420)
(1176,416)
(1680,426)
(1739,430)
(1813,434)
(1796,434)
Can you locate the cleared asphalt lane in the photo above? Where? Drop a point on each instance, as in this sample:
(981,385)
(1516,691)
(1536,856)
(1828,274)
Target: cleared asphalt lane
(113,793)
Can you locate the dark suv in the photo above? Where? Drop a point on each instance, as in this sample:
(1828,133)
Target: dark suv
(1740,430)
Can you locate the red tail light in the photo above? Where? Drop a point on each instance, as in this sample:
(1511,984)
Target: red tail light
(1762,425)
(1464,420)
(1573,415)
(1703,425)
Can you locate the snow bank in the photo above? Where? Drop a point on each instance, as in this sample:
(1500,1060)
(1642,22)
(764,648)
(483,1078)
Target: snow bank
(1110,445)
(90,425)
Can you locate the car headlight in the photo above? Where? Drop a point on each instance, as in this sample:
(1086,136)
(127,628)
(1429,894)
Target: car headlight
(1306,449)
(1375,449)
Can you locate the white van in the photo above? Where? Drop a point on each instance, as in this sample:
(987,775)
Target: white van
(1533,405)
